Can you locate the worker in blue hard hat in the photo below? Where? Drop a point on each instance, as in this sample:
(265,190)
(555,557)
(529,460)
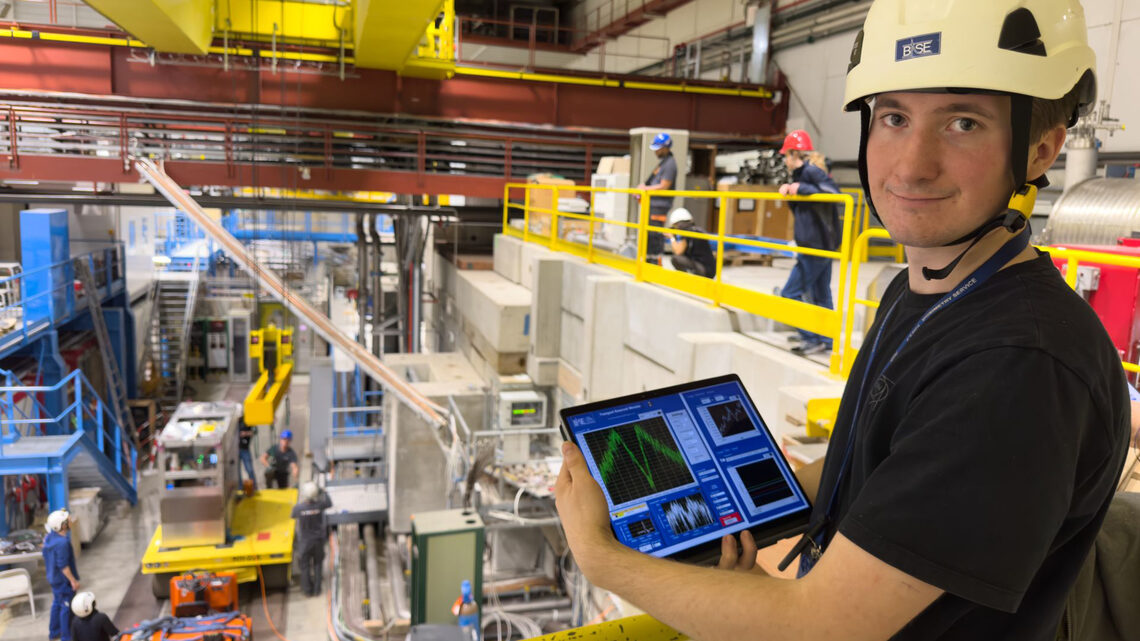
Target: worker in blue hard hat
(663,177)
(280,462)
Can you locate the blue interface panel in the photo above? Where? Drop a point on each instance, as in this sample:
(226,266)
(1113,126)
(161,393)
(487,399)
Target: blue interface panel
(686,468)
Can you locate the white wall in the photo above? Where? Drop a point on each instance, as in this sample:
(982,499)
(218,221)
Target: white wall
(817,73)
(655,40)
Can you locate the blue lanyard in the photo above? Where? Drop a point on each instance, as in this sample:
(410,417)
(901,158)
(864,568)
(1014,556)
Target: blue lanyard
(1008,252)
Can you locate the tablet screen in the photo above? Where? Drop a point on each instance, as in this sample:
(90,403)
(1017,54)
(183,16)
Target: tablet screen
(683,466)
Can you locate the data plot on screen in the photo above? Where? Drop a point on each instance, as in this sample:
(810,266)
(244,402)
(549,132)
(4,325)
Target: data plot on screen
(687,513)
(641,528)
(730,419)
(638,459)
(763,482)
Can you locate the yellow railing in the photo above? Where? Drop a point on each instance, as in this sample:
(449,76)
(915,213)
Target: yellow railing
(1073,258)
(812,318)
(836,324)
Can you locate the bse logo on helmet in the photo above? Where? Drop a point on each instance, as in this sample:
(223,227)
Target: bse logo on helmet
(929,44)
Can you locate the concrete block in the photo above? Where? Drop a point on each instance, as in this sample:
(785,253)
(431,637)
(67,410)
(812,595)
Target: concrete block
(498,309)
(572,341)
(546,307)
(543,371)
(478,348)
(575,274)
(529,253)
(417,466)
(602,339)
(570,383)
(655,316)
(639,374)
(507,251)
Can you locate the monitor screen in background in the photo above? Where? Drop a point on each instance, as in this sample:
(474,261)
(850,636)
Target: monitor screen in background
(686,468)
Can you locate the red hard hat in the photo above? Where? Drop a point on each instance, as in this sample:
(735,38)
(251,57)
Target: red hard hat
(798,139)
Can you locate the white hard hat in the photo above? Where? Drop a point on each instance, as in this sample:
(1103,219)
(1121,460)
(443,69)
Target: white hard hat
(83,604)
(308,491)
(55,520)
(1036,48)
(679,215)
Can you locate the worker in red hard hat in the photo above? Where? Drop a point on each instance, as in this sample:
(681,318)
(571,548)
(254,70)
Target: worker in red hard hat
(816,227)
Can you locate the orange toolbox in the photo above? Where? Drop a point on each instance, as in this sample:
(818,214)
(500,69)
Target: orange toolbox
(227,626)
(198,593)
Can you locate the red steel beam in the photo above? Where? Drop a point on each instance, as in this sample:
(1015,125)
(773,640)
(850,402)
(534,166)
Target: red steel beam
(110,170)
(48,66)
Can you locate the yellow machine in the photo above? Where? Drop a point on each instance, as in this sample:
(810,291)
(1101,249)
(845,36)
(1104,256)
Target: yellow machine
(205,521)
(273,349)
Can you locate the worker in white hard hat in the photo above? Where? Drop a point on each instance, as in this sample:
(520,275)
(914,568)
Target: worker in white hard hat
(692,255)
(62,575)
(312,530)
(89,623)
(985,422)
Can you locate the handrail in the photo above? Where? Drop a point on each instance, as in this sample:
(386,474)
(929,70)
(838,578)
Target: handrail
(85,412)
(819,320)
(57,299)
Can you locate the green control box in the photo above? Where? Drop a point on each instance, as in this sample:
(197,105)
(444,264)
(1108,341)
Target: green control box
(447,548)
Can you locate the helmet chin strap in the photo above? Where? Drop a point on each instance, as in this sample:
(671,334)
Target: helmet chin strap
(1016,215)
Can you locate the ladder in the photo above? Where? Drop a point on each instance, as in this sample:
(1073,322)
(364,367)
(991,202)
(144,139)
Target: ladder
(116,386)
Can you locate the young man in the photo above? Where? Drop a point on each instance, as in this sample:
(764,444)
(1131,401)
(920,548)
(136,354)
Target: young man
(984,426)
(312,531)
(664,176)
(692,255)
(280,462)
(816,227)
(62,575)
(90,624)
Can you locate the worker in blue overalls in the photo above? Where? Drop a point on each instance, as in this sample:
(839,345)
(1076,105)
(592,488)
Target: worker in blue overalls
(59,561)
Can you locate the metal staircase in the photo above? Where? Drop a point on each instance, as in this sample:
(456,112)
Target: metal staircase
(83,445)
(168,337)
(116,386)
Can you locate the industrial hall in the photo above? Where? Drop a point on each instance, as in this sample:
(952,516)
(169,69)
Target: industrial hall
(561,320)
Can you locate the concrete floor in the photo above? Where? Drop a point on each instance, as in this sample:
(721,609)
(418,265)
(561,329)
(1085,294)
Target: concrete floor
(108,564)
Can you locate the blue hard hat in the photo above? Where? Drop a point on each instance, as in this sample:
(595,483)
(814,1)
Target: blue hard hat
(287,435)
(661,140)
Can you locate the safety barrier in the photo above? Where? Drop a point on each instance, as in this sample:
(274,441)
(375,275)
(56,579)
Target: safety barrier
(838,324)
(45,296)
(812,318)
(85,415)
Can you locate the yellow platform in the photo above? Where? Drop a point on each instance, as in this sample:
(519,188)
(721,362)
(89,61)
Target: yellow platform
(262,530)
(261,403)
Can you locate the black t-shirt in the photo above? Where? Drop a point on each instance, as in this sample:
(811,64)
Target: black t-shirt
(279,461)
(698,249)
(94,627)
(245,434)
(986,456)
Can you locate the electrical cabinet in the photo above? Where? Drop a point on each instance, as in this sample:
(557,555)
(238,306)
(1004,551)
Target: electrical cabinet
(447,549)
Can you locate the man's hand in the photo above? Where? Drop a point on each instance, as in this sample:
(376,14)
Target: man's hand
(585,515)
(75,584)
(745,560)
(790,189)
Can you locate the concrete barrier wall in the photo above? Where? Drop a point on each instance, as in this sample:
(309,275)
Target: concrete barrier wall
(616,336)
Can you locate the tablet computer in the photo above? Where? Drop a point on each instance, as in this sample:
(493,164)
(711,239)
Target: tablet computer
(683,466)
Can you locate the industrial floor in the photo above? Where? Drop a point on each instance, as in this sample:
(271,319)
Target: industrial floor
(109,565)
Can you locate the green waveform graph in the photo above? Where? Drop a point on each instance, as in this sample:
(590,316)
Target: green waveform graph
(638,459)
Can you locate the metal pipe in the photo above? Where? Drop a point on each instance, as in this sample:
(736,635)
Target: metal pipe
(537,604)
(361,270)
(377,254)
(396,577)
(417,402)
(372,573)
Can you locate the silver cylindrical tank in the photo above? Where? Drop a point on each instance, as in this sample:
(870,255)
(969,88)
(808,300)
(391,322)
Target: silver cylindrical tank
(1095,212)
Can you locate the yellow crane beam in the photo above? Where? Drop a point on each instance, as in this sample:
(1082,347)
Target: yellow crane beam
(290,22)
(170,26)
(388,32)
